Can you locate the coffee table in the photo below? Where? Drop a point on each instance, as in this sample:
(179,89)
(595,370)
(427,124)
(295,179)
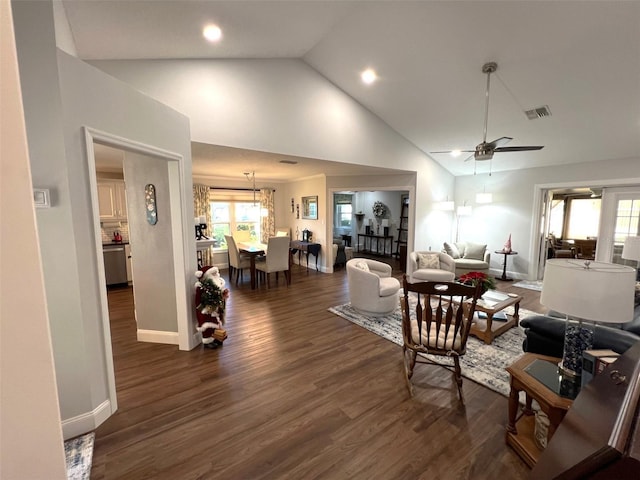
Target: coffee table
(491,303)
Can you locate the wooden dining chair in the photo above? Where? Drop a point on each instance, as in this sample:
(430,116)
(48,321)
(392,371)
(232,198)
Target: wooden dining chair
(237,262)
(436,318)
(276,260)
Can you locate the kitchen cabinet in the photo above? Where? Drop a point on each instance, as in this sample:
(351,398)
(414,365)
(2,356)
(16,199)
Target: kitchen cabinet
(112,200)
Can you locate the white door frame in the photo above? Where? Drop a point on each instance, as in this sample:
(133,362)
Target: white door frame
(397,188)
(186,338)
(538,202)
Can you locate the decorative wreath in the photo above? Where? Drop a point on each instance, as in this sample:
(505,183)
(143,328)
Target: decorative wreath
(379,209)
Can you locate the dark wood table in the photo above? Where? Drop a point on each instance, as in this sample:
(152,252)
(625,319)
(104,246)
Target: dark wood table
(307,247)
(520,429)
(252,250)
(504,264)
(378,238)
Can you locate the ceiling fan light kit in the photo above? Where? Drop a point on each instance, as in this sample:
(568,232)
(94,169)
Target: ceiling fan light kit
(485,150)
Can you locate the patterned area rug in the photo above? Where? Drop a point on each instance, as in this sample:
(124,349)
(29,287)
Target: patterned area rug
(79,453)
(484,364)
(530,285)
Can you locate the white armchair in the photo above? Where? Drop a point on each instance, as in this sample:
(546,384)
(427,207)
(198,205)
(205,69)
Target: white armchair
(372,289)
(431,267)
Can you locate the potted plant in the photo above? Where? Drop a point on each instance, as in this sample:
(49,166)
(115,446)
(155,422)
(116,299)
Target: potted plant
(475,278)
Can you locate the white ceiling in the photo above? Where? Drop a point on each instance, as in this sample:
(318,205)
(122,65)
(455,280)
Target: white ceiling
(582,59)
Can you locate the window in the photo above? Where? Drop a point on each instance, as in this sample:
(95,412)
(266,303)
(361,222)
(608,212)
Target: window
(343,210)
(344,215)
(584,217)
(627,220)
(232,217)
(556,218)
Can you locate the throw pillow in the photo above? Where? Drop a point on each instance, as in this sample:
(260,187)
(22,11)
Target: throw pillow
(474,251)
(281,233)
(451,250)
(428,260)
(364,266)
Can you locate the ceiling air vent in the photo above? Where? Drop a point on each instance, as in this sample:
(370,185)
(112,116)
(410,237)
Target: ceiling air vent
(538,112)
(289,162)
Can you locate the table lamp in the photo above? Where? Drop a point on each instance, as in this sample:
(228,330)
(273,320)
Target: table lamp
(586,292)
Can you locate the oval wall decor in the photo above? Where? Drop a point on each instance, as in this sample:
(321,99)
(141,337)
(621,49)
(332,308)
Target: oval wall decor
(150,203)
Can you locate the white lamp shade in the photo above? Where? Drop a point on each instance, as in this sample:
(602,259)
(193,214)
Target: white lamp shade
(484,197)
(603,292)
(446,206)
(631,249)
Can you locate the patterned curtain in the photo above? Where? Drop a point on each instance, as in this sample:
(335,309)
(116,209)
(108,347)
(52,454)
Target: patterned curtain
(267,223)
(201,206)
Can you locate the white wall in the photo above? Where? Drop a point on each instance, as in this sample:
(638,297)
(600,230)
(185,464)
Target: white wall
(512,210)
(30,416)
(284,106)
(61,96)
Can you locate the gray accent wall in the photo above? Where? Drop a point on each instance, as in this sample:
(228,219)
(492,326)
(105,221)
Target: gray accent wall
(151,245)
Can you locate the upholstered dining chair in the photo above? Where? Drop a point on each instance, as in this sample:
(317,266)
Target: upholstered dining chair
(436,319)
(276,260)
(237,262)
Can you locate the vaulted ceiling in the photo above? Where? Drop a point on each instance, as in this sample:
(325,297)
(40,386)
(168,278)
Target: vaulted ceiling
(581,59)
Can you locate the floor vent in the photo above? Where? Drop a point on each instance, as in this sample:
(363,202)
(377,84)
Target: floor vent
(538,112)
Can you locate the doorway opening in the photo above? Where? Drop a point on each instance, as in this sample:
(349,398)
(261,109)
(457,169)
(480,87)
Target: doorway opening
(170,166)
(587,223)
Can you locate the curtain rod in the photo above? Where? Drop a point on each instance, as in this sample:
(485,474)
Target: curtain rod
(238,189)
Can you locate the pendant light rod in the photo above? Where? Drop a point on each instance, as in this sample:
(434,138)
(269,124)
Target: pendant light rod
(251,176)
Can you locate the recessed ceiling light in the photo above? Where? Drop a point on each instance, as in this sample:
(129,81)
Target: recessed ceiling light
(455,153)
(212,33)
(369,76)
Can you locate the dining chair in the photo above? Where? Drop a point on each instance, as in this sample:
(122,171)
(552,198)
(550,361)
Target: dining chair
(237,262)
(437,324)
(276,260)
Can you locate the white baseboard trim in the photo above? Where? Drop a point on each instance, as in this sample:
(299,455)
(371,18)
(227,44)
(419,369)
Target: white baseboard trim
(86,422)
(158,336)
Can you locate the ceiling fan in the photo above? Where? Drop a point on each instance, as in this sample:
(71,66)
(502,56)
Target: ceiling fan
(485,150)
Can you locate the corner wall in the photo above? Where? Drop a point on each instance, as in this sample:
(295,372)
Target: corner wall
(61,96)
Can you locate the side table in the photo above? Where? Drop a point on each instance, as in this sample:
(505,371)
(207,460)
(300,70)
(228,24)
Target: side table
(535,379)
(504,264)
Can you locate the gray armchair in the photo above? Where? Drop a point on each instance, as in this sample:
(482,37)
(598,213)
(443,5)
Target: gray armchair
(430,267)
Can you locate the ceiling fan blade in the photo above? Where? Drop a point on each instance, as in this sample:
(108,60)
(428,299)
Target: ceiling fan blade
(470,157)
(498,142)
(518,149)
(449,151)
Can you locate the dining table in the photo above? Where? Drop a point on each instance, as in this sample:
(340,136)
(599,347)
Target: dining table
(252,250)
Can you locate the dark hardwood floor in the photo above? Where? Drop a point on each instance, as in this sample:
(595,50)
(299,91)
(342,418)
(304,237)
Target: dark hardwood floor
(295,393)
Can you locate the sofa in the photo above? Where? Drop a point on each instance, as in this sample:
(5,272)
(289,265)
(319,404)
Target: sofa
(372,289)
(468,257)
(544,334)
(431,267)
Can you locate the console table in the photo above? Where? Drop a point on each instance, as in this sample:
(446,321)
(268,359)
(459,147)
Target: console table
(308,248)
(378,238)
